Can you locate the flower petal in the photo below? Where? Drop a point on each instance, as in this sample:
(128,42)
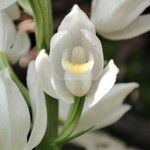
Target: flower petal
(19,116)
(50,82)
(114,117)
(105,111)
(20,47)
(8,32)
(13,11)
(94,119)
(102,86)
(44,71)
(38,105)
(91,43)
(63,110)
(5,125)
(6,3)
(78,84)
(59,43)
(139,26)
(120,15)
(74,22)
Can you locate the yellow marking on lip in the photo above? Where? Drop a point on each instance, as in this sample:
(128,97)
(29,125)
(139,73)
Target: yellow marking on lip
(77,68)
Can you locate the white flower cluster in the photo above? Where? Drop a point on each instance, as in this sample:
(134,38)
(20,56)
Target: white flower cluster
(74,67)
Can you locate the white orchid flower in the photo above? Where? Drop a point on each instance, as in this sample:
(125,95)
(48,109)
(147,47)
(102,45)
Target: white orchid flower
(120,19)
(13,43)
(107,111)
(75,64)
(6,3)
(16,124)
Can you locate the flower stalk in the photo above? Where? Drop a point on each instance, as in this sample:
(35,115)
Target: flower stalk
(52,125)
(72,119)
(42,13)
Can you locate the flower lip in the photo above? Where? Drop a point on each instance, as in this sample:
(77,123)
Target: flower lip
(77,64)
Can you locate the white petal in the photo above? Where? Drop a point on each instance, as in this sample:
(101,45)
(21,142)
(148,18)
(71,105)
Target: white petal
(61,89)
(13,11)
(5,73)
(19,116)
(20,47)
(114,117)
(90,119)
(50,82)
(38,105)
(91,43)
(59,43)
(44,71)
(6,3)
(5,126)
(139,26)
(63,110)
(78,84)
(101,114)
(102,86)
(120,15)
(74,22)
(8,32)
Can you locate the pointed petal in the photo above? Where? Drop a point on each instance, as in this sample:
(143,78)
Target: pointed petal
(114,117)
(102,86)
(13,11)
(92,43)
(38,105)
(74,22)
(121,13)
(19,116)
(8,32)
(59,43)
(6,3)
(90,119)
(139,26)
(105,111)
(44,71)
(20,47)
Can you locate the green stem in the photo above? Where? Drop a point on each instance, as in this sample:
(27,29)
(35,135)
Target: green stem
(52,125)
(72,119)
(4,63)
(43,18)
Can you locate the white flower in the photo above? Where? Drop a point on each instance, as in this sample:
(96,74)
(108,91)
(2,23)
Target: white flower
(12,42)
(15,124)
(75,67)
(6,3)
(107,111)
(120,19)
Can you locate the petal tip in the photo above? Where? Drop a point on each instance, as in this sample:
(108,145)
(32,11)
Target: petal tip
(112,65)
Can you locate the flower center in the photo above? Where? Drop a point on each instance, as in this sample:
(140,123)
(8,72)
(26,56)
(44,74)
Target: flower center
(77,62)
